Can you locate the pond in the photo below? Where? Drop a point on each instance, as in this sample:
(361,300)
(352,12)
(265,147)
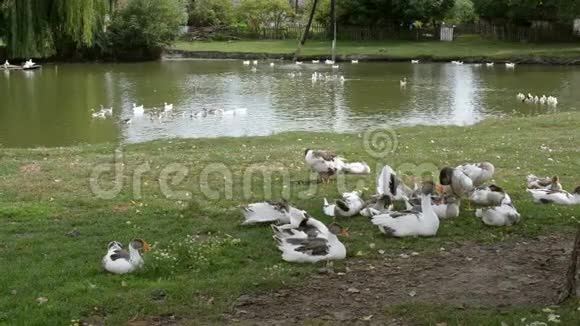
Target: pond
(53,106)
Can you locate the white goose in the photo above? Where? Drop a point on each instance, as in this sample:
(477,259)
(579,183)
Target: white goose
(271,211)
(479,173)
(552,183)
(411,223)
(560,197)
(503,215)
(403,82)
(446,206)
(349,205)
(458,182)
(138,110)
(327,164)
(490,196)
(311,242)
(167,107)
(119,261)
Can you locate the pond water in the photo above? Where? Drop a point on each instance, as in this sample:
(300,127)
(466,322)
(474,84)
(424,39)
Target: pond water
(52,106)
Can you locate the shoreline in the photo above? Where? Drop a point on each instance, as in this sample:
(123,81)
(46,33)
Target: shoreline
(533,60)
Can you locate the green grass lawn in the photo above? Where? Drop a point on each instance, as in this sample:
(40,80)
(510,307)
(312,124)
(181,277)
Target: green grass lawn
(465,47)
(45,193)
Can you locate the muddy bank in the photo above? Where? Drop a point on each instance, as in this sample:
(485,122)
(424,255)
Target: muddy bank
(509,274)
(543,60)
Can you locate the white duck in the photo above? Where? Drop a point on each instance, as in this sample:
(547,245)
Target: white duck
(329,62)
(411,223)
(552,183)
(327,164)
(479,173)
(311,242)
(560,197)
(489,64)
(510,65)
(414,62)
(521,97)
(6,64)
(490,196)
(458,182)
(335,66)
(403,82)
(138,110)
(446,206)
(255,62)
(503,215)
(349,205)
(354,61)
(315,61)
(246,62)
(272,211)
(167,107)
(119,261)
(298,62)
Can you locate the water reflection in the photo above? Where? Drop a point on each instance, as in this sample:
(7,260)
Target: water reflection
(52,106)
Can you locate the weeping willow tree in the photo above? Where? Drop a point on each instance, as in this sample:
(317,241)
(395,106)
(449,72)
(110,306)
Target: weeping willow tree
(42,28)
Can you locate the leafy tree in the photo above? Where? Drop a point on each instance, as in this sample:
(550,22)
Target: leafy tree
(259,13)
(462,12)
(210,12)
(428,10)
(43,28)
(142,28)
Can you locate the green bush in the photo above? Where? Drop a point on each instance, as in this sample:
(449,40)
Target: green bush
(211,12)
(144,27)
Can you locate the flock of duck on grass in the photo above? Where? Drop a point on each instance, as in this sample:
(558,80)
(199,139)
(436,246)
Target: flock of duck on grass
(543,100)
(155,113)
(304,239)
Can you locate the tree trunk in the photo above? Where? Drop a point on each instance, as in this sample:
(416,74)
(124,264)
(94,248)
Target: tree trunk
(306,30)
(569,290)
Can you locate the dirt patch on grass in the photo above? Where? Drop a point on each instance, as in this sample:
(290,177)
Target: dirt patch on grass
(511,273)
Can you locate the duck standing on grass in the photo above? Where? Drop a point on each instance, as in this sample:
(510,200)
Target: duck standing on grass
(119,261)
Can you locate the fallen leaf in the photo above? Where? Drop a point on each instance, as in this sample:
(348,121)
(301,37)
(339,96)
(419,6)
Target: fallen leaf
(352,290)
(41,300)
(367,318)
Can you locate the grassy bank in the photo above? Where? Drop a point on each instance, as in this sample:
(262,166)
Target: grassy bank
(53,229)
(467,47)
